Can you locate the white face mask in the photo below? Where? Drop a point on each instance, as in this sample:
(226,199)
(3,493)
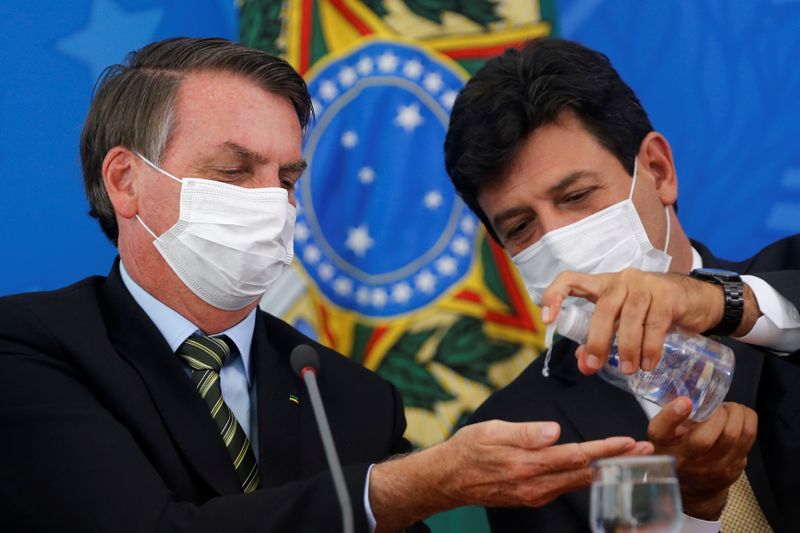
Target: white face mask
(610,240)
(229,243)
(607,241)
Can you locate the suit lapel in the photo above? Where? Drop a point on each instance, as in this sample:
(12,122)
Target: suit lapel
(184,413)
(279,415)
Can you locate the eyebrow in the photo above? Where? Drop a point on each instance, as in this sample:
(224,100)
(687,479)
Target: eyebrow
(249,155)
(565,183)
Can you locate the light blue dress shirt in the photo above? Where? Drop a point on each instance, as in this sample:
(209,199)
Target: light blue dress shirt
(238,388)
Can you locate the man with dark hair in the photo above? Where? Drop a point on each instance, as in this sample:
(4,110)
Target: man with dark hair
(558,158)
(160,398)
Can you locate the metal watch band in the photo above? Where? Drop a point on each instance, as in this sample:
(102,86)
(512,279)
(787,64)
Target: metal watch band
(734,309)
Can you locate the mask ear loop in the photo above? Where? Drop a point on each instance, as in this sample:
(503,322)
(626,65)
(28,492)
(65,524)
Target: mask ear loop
(635,175)
(162,171)
(158,169)
(145,226)
(666,209)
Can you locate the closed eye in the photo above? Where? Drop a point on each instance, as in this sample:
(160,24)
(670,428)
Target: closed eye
(578,197)
(288,183)
(518,230)
(232,174)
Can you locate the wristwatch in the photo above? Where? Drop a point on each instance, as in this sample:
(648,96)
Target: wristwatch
(733,290)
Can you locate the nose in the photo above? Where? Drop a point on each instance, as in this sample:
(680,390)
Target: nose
(269,176)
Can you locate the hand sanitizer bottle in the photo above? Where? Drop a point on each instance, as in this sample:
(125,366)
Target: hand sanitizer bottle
(690,365)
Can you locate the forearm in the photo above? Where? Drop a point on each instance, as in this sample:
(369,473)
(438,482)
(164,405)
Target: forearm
(751,313)
(407,489)
(711,303)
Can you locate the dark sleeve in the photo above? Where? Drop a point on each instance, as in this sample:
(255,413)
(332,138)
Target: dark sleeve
(68,464)
(779,265)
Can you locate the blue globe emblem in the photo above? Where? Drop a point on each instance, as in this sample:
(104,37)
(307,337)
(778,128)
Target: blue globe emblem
(380,229)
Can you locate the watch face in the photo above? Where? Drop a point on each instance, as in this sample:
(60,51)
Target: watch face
(718,273)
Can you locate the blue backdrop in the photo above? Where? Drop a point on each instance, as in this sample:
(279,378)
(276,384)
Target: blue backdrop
(51,54)
(719,79)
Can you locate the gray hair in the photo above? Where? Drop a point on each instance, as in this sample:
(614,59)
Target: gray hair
(133,104)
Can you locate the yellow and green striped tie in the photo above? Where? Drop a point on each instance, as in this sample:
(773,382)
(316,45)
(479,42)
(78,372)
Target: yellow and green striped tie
(206,355)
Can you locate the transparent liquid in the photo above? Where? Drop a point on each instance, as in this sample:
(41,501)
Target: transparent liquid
(691,365)
(636,506)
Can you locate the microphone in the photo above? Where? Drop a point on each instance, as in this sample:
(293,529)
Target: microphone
(305,362)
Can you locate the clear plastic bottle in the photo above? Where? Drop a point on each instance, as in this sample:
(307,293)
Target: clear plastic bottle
(690,365)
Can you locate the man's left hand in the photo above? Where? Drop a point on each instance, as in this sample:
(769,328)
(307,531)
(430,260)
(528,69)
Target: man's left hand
(709,456)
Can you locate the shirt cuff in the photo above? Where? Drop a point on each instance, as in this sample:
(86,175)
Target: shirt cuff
(367,508)
(698,525)
(779,326)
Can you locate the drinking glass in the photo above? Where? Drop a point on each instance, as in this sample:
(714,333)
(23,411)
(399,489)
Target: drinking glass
(635,494)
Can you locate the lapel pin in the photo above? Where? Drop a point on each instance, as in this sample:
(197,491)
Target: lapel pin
(294,399)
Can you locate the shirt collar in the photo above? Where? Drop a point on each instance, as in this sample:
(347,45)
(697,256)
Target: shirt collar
(175,328)
(697,260)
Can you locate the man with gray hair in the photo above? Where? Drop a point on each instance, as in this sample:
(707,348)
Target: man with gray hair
(160,398)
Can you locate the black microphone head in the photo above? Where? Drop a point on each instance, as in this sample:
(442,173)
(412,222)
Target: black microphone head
(302,357)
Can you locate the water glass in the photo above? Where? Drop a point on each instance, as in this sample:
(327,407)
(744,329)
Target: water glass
(635,495)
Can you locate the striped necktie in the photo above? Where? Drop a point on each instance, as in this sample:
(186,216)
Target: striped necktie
(206,355)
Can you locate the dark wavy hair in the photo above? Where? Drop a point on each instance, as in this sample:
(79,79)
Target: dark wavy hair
(521,90)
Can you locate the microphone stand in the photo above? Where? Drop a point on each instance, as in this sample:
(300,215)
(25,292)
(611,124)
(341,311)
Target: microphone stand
(309,376)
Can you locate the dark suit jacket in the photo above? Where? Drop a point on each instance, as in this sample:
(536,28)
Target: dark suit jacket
(589,408)
(100,429)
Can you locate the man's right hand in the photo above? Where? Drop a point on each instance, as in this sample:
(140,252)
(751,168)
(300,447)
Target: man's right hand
(493,464)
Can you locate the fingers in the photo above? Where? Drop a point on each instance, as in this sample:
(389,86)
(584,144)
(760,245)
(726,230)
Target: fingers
(527,435)
(569,284)
(546,488)
(642,448)
(579,455)
(738,434)
(601,334)
(631,330)
(655,331)
(711,434)
(639,307)
(663,428)
(712,456)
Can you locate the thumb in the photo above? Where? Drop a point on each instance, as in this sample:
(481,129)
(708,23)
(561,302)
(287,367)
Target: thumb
(664,426)
(528,435)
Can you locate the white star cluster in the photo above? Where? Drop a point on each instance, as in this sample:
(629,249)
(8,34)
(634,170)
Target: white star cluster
(409,116)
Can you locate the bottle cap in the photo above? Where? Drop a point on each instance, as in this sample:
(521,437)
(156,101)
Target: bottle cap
(573,323)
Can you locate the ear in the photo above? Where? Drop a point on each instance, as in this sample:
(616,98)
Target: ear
(119,179)
(655,156)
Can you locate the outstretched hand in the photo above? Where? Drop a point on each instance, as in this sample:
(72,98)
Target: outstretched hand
(493,464)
